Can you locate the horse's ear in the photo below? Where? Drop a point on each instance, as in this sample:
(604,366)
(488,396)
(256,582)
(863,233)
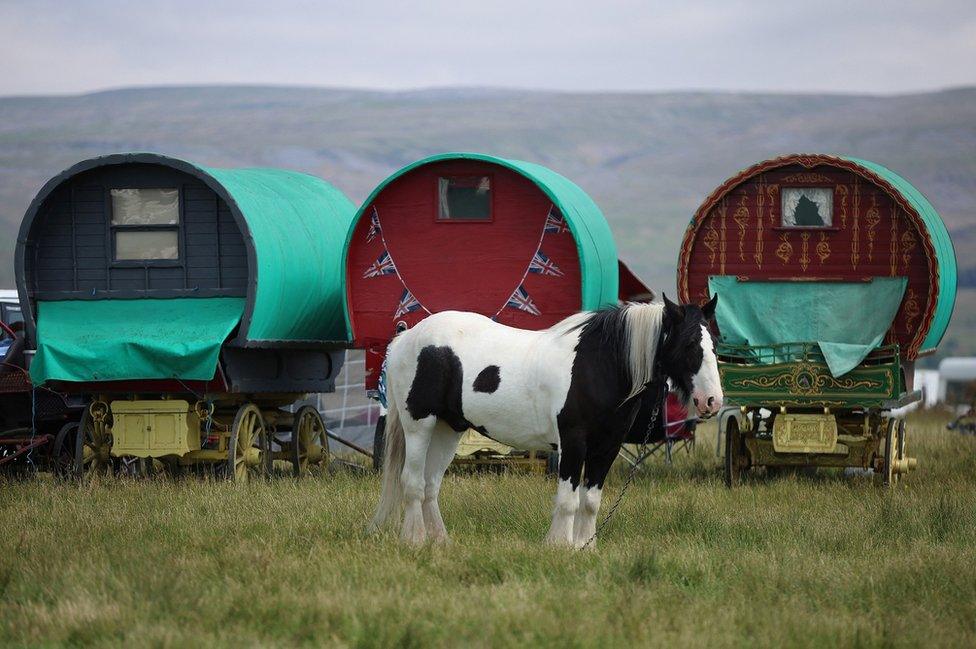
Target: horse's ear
(672,311)
(709,309)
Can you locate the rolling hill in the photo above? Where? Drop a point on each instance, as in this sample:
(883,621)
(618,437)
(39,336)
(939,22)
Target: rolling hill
(647,159)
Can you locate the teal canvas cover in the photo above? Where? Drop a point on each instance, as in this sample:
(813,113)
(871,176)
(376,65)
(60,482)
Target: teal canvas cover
(297,225)
(847,320)
(110,340)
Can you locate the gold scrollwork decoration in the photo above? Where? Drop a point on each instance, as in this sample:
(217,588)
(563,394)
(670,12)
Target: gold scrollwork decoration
(806,177)
(710,241)
(872,218)
(823,248)
(893,244)
(912,309)
(785,249)
(722,241)
(856,228)
(757,256)
(908,244)
(741,218)
(807,380)
(805,251)
(841,191)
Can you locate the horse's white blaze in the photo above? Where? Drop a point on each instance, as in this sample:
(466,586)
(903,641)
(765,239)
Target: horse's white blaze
(706,384)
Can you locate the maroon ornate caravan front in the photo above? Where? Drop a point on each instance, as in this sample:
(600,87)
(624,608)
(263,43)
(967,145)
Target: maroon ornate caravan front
(874,232)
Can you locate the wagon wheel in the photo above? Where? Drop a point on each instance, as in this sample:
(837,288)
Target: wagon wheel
(248,451)
(894,451)
(309,444)
(735,453)
(93,443)
(62,460)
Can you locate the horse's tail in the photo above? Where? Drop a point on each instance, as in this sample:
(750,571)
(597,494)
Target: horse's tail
(391,493)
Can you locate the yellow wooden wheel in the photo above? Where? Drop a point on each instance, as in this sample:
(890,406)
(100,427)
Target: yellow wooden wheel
(309,444)
(248,451)
(894,451)
(93,443)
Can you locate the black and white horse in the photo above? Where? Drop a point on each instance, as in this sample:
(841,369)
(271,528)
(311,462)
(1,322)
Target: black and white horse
(574,388)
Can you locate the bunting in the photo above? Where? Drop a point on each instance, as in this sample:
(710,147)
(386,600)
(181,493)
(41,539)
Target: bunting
(555,223)
(408,304)
(520,300)
(374,226)
(382,266)
(540,264)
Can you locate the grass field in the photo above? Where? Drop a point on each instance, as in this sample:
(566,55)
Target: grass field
(805,561)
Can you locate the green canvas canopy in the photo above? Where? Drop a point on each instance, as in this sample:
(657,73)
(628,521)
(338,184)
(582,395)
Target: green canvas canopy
(111,340)
(770,313)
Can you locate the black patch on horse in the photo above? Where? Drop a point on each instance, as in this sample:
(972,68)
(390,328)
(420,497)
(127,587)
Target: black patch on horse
(436,388)
(487,380)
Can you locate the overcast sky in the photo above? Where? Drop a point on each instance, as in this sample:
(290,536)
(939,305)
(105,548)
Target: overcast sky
(72,46)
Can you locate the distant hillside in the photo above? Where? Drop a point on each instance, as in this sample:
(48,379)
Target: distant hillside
(647,159)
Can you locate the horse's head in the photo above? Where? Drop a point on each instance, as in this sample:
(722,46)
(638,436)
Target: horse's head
(689,355)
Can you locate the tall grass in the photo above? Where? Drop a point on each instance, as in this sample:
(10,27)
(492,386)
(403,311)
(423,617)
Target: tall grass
(780,561)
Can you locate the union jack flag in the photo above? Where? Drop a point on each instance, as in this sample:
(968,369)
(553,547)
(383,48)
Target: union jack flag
(408,304)
(382,266)
(374,226)
(520,300)
(542,265)
(555,223)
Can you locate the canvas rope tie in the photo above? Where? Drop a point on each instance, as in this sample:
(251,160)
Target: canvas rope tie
(630,476)
(517,299)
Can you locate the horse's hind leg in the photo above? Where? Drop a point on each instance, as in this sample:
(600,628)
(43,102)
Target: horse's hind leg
(416,438)
(443,446)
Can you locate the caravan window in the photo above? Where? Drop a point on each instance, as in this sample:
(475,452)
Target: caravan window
(464,198)
(145,224)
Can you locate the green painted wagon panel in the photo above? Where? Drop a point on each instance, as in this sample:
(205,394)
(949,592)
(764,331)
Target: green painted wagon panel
(110,340)
(799,377)
(594,240)
(944,252)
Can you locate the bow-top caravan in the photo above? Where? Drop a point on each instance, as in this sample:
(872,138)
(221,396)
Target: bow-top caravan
(511,240)
(189,306)
(834,276)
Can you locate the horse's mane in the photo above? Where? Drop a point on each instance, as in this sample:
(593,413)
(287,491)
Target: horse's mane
(630,332)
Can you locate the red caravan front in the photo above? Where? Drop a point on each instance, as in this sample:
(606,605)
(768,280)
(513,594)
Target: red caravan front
(505,252)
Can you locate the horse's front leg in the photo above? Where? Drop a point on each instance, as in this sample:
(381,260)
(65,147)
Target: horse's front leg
(599,458)
(564,509)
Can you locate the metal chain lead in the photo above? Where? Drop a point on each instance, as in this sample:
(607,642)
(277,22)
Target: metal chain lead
(630,476)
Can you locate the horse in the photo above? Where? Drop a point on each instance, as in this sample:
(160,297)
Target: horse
(574,388)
